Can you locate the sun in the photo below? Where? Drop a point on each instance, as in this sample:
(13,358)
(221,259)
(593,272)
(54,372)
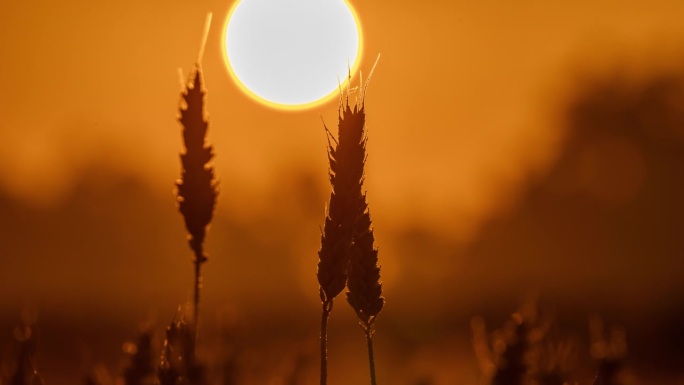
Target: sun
(291,54)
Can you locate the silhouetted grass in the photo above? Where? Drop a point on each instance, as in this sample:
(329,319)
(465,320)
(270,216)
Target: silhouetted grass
(364,292)
(19,364)
(525,352)
(345,173)
(198,188)
(513,366)
(609,349)
(178,364)
(141,367)
(347,256)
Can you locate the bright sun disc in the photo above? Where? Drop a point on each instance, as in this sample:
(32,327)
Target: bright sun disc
(291,54)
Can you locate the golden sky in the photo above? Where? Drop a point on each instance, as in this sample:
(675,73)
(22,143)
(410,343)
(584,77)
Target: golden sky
(464,108)
(472,173)
(459,108)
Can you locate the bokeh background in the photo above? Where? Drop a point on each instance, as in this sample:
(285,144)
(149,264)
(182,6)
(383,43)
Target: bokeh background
(517,150)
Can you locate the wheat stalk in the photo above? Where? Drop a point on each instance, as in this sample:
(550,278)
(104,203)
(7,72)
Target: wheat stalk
(347,210)
(178,364)
(345,173)
(364,292)
(197,189)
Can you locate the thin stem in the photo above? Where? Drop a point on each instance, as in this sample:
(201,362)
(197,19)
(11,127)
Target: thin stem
(198,285)
(371,357)
(327,307)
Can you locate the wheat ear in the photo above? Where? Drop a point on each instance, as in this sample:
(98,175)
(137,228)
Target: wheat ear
(364,292)
(197,189)
(345,174)
(346,157)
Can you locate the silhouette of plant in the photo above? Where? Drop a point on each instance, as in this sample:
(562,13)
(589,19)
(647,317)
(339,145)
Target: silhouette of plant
(197,189)
(504,359)
(22,360)
(141,366)
(610,351)
(364,292)
(345,174)
(178,364)
(513,367)
(348,256)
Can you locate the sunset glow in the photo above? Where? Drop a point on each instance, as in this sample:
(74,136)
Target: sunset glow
(291,54)
(512,187)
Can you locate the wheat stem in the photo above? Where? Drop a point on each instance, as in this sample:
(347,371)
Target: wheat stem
(371,356)
(199,258)
(347,230)
(364,287)
(325,314)
(197,189)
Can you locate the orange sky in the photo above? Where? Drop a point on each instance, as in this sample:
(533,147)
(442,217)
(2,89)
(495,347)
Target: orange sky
(458,110)
(464,107)
(468,105)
